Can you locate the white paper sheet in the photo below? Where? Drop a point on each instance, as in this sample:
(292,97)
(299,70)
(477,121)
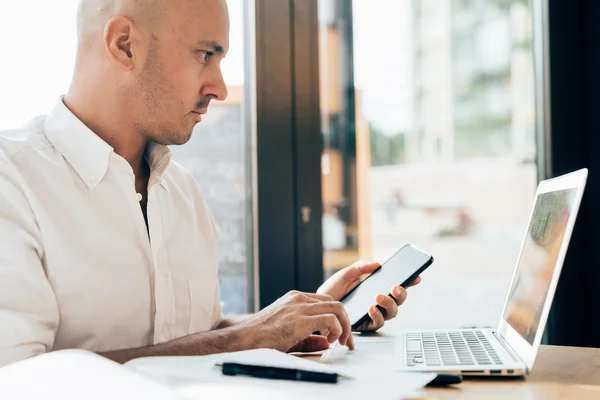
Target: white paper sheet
(77,375)
(374,355)
(196,377)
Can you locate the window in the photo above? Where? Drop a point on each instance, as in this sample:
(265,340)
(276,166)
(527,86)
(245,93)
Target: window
(38,43)
(434,144)
(37,40)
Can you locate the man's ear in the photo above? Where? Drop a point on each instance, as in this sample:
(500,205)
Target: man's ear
(118,42)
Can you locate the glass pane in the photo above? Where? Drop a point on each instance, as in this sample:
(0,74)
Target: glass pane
(217,155)
(444,157)
(37,61)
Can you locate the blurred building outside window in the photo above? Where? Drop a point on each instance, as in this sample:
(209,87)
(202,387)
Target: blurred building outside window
(443,152)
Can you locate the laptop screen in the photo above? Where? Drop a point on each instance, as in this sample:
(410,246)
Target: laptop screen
(538,261)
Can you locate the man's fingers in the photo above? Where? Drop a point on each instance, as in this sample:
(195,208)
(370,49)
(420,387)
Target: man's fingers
(365,267)
(328,322)
(321,305)
(389,304)
(350,343)
(301,297)
(336,308)
(377,319)
(415,282)
(324,333)
(314,298)
(399,294)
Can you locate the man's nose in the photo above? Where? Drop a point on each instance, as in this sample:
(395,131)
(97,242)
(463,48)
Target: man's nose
(216,87)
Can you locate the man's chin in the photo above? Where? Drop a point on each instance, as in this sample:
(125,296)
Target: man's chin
(176,139)
(181,140)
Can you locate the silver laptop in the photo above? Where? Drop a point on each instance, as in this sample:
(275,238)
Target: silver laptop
(511,348)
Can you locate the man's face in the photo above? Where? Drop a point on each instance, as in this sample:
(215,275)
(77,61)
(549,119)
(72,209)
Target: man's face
(182,70)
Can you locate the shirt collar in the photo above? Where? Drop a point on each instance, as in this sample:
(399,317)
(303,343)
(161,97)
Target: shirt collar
(83,149)
(158,158)
(88,154)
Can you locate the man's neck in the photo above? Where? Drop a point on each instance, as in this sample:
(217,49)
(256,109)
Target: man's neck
(105,121)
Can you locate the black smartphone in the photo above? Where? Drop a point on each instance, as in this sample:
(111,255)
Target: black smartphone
(402,268)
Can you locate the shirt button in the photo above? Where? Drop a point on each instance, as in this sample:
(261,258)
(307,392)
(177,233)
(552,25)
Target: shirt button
(138,197)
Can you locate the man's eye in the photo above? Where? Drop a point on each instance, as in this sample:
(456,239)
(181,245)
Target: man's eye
(206,55)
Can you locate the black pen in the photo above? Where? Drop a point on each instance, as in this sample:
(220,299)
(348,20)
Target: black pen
(257,371)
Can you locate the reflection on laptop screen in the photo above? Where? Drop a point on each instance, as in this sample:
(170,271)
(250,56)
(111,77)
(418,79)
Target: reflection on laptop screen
(538,260)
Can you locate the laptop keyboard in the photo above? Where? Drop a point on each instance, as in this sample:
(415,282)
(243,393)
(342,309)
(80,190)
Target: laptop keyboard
(437,349)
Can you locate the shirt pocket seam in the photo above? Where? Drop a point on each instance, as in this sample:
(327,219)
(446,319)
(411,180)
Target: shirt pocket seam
(196,306)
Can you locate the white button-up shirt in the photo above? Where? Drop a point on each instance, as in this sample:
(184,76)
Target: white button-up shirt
(78,266)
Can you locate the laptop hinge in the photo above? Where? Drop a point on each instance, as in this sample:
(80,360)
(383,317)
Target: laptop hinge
(509,350)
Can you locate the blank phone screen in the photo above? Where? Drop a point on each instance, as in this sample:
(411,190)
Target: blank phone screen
(394,271)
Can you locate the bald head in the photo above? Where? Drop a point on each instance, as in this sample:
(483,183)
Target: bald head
(154,64)
(93,15)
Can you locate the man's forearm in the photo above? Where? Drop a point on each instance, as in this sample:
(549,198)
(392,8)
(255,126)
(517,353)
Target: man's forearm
(232,320)
(199,344)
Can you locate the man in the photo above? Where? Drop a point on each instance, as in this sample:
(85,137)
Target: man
(106,244)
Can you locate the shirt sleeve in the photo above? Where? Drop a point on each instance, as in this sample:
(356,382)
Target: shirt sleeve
(217,314)
(28,309)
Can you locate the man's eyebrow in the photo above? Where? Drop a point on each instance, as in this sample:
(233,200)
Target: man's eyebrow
(216,48)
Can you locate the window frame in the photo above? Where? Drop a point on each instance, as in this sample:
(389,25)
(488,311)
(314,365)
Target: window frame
(287,150)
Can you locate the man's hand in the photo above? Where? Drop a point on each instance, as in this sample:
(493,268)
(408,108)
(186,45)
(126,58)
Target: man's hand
(288,323)
(346,279)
